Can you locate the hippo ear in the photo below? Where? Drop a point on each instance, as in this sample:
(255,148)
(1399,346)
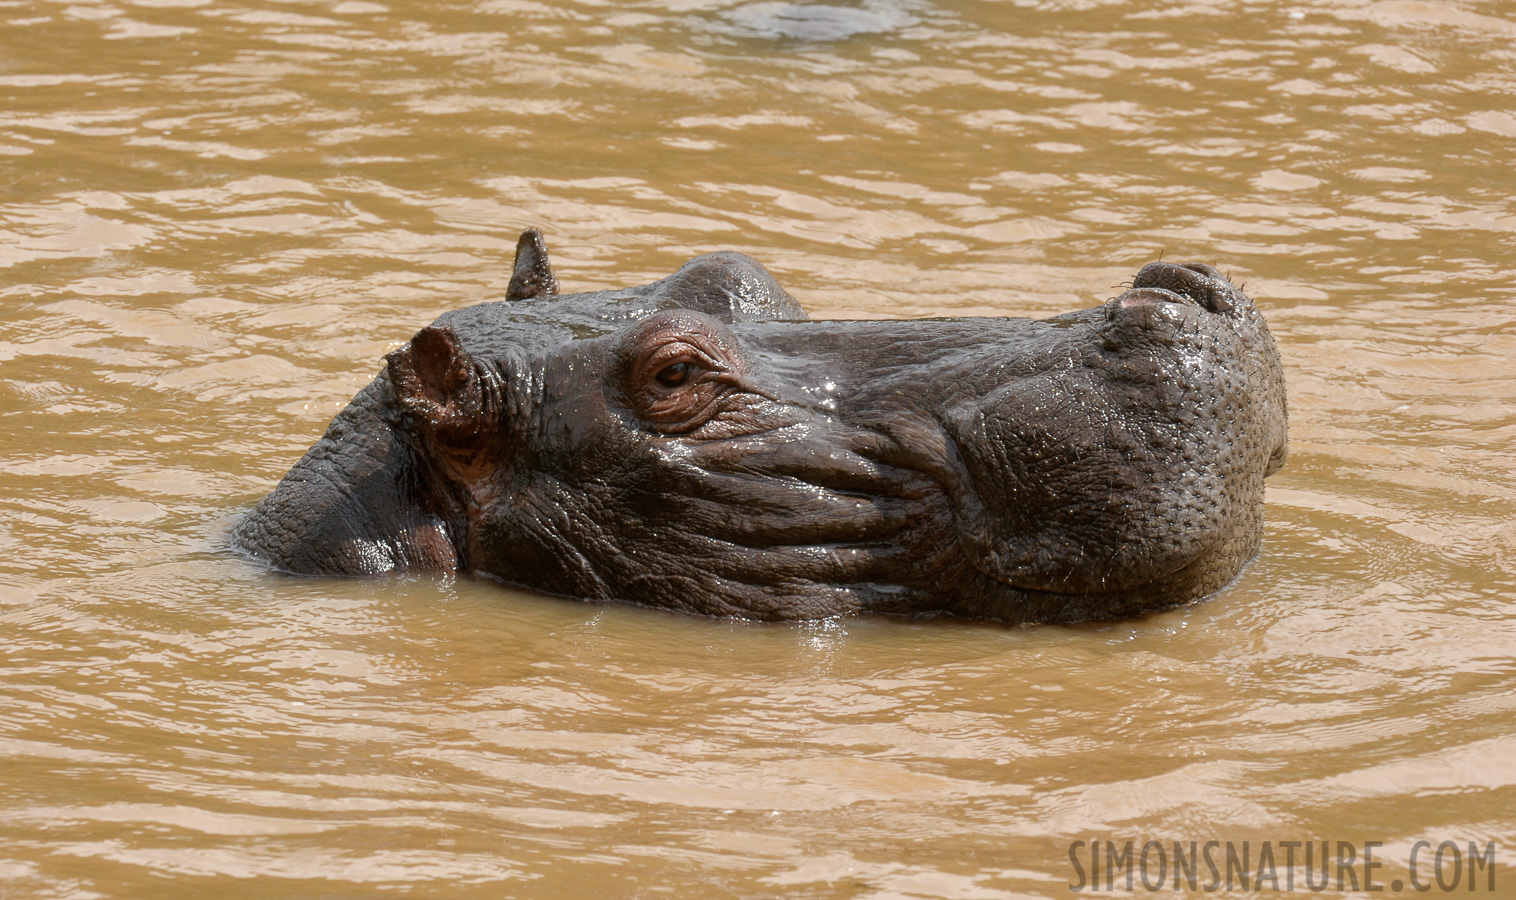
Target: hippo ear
(532,275)
(444,395)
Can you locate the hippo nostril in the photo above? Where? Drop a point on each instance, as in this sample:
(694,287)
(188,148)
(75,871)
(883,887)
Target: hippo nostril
(1148,295)
(1148,307)
(1200,283)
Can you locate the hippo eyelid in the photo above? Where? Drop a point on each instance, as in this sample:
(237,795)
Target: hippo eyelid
(673,353)
(674,375)
(704,368)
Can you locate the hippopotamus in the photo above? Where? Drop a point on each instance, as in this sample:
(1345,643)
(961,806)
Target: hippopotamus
(700,444)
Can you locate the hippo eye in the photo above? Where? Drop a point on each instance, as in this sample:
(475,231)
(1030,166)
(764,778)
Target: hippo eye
(679,370)
(674,375)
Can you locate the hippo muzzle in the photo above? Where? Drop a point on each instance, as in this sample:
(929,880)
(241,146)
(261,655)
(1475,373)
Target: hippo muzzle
(698,444)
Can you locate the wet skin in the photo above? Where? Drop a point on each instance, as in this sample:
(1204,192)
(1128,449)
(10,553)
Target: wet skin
(699,444)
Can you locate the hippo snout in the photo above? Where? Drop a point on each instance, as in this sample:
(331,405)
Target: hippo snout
(1116,466)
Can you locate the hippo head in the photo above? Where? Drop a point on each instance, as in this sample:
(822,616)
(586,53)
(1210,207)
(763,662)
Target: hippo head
(699,444)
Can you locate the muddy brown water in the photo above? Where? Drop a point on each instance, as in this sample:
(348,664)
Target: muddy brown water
(217,215)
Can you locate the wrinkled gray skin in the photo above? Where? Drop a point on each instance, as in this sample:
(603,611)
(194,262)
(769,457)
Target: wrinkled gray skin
(698,444)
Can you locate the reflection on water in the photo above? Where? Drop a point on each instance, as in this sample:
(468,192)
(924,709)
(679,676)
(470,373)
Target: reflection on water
(216,217)
(817,21)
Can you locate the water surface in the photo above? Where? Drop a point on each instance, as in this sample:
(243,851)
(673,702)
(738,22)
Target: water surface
(216,217)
